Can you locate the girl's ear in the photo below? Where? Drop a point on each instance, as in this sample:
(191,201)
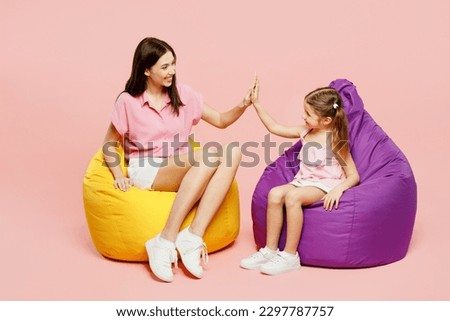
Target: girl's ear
(147,72)
(326,120)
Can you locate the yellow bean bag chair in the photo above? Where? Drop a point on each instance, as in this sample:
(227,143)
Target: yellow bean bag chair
(121,222)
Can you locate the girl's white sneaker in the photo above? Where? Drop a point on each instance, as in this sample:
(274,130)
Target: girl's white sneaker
(282,262)
(259,258)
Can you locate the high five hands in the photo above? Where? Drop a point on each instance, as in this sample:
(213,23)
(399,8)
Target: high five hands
(251,97)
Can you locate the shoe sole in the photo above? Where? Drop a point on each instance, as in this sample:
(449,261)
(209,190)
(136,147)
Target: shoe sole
(198,276)
(280,272)
(252,267)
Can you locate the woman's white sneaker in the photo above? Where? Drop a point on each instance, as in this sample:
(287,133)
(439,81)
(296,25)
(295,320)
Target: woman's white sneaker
(192,249)
(161,255)
(282,262)
(259,258)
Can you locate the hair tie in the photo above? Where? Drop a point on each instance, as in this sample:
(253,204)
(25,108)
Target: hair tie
(335,106)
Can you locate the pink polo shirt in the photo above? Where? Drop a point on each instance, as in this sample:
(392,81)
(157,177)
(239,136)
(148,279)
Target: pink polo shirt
(148,132)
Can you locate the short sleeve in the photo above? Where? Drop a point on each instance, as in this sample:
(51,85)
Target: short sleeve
(119,115)
(193,101)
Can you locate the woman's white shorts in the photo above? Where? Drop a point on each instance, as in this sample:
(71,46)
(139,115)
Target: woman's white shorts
(143,171)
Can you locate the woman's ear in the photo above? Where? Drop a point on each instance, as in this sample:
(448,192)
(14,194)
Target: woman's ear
(147,72)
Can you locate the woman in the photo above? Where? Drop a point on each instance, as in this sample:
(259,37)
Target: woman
(153,118)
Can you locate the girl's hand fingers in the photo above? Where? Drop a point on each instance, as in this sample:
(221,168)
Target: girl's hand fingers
(331,205)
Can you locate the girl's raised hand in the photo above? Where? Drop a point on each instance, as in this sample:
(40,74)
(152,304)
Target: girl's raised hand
(332,199)
(255,91)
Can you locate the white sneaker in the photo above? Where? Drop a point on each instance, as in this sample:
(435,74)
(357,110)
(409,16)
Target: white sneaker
(282,262)
(257,259)
(161,255)
(192,249)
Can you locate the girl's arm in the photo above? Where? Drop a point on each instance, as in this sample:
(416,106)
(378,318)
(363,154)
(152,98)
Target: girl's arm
(225,119)
(276,128)
(110,142)
(352,179)
(271,125)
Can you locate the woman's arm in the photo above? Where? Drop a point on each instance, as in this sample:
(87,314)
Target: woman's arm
(110,142)
(352,179)
(223,120)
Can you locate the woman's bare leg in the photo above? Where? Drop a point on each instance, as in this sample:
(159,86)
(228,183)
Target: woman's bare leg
(217,188)
(188,175)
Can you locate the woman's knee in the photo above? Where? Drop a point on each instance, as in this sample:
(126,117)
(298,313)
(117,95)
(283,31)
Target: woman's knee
(214,156)
(232,155)
(207,158)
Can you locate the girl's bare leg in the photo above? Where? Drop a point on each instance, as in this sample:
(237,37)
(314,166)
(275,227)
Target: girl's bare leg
(294,200)
(274,215)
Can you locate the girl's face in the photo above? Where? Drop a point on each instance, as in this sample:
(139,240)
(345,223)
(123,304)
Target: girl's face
(311,118)
(161,73)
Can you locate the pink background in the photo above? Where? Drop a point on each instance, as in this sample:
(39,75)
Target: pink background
(62,64)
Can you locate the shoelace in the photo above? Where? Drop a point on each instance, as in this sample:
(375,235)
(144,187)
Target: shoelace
(203,252)
(173,257)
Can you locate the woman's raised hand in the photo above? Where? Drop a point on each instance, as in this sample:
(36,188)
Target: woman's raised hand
(247,101)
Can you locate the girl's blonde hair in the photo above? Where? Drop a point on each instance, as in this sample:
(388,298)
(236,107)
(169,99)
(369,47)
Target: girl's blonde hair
(327,102)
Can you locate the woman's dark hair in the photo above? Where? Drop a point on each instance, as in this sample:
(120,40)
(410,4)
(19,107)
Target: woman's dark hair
(147,53)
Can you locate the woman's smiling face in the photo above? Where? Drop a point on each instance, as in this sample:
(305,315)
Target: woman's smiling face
(161,73)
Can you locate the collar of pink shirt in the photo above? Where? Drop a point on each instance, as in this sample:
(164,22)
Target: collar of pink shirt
(145,100)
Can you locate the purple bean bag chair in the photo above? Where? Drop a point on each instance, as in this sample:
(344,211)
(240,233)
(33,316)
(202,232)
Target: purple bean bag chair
(374,222)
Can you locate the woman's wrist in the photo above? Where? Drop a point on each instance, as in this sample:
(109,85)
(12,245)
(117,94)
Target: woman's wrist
(117,173)
(244,104)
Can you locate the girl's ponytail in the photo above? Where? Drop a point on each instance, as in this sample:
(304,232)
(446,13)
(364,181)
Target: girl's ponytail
(340,133)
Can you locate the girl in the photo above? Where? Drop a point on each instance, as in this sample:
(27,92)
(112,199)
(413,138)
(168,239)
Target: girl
(153,117)
(326,171)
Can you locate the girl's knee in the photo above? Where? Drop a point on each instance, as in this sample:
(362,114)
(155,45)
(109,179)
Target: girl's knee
(293,198)
(276,196)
